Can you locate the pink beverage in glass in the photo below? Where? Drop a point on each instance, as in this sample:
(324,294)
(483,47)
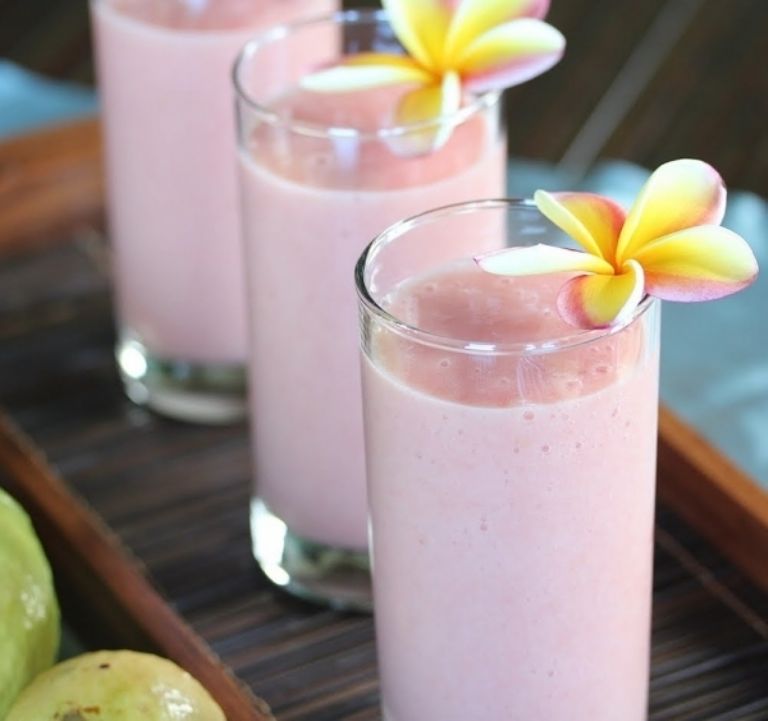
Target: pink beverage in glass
(511,466)
(164,70)
(321,175)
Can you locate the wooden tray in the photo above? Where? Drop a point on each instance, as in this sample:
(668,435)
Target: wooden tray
(177,496)
(53,183)
(709,491)
(105,597)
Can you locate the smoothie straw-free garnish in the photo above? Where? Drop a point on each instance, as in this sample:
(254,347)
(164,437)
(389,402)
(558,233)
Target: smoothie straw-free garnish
(670,245)
(451,46)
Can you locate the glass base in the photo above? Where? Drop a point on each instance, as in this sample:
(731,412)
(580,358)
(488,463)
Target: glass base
(195,392)
(335,577)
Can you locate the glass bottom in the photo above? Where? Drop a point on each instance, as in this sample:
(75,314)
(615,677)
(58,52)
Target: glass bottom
(335,577)
(195,392)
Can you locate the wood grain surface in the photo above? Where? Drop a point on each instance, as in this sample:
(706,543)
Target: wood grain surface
(51,183)
(714,495)
(110,590)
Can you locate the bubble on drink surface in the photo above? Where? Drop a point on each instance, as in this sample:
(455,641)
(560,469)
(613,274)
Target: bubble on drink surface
(29,612)
(110,685)
(320,160)
(527,295)
(565,384)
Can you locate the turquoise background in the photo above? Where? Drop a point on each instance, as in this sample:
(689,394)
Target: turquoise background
(29,101)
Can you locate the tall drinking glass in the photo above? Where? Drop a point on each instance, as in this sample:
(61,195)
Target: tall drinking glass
(321,174)
(511,465)
(164,72)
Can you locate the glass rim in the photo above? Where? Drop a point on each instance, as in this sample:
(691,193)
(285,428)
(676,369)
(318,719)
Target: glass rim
(341,17)
(476,347)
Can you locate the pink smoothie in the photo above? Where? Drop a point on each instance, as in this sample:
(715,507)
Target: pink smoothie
(512,508)
(164,70)
(310,207)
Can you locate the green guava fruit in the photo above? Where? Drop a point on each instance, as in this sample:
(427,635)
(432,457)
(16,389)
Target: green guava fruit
(115,686)
(29,613)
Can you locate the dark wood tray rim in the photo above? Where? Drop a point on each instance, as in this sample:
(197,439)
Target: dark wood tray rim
(88,557)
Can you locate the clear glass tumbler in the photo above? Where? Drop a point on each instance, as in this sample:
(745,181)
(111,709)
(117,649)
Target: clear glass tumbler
(321,175)
(164,73)
(511,476)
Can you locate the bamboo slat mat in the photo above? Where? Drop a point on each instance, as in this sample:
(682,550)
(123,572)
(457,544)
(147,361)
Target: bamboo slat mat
(177,495)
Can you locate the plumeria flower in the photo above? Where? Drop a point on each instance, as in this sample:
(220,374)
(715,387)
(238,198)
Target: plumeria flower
(452,46)
(670,245)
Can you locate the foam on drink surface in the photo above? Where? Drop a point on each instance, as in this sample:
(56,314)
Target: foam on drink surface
(486,312)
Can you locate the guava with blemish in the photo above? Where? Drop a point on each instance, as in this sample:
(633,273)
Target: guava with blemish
(29,612)
(115,686)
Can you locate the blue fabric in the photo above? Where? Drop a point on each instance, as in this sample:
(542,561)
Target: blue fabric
(714,369)
(28,100)
(715,355)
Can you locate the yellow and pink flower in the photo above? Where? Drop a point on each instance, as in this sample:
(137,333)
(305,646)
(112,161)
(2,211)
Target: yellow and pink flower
(452,46)
(670,245)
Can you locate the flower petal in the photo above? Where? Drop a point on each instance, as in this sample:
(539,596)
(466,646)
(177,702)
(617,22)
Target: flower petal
(365,71)
(678,195)
(599,301)
(510,54)
(593,221)
(541,259)
(421,27)
(472,18)
(436,103)
(701,263)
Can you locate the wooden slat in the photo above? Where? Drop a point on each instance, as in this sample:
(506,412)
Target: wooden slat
(714,495)
(546,114)
(90,558)
(51,37)
(709,99)
(57,43)
(51,182)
